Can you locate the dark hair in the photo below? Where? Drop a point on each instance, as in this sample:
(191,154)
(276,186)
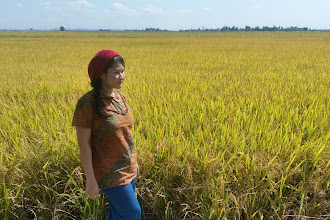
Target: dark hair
(96,84)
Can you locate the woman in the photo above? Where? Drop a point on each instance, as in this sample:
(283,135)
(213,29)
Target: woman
(103,121)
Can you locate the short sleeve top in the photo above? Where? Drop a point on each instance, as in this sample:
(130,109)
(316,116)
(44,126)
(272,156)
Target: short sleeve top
(114,155)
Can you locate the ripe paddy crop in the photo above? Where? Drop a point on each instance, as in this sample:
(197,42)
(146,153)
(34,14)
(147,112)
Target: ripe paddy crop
(227,125)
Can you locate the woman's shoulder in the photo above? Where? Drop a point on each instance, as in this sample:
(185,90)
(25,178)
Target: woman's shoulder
(86,99)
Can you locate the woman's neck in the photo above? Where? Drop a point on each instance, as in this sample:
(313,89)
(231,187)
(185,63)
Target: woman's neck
(107,92)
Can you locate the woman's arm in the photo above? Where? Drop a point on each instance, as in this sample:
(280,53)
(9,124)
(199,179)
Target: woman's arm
(83,137)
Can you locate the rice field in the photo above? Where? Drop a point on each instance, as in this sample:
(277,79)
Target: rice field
(227,125)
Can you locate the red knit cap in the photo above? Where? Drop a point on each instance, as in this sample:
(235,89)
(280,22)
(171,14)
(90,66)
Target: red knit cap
(99,62)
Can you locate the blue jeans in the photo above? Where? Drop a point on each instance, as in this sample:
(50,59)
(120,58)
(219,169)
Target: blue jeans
(123,204)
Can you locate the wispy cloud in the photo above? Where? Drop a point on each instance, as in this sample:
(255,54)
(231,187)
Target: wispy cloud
(46,4)
(185,11)
(207,9)
(19,5)
(117,8)
(54,6)
(80,4)
(153,9)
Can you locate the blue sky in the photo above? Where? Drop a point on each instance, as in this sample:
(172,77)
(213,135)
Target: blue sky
(169,14)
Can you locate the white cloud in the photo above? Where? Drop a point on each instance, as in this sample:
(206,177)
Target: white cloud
(46,4)
(80,4)
(153,9)
(207,9)
(54,6)
(19,5)
(185,11)
(122,9)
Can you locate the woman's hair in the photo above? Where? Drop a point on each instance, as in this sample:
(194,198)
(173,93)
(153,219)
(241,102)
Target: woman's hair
(97,83)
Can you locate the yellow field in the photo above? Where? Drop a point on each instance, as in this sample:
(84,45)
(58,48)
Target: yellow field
(227,125)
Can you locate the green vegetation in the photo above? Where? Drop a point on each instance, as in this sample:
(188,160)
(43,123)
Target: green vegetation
(227,125)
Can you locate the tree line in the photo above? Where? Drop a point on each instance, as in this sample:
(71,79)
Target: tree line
(224,28)
(233,28)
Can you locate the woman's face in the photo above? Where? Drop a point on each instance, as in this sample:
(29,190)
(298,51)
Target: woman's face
(114,77)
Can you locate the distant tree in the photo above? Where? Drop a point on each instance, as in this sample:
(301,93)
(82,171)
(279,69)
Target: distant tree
(247,28)
(233,28)
(225,28)
(31,29)
(62,28)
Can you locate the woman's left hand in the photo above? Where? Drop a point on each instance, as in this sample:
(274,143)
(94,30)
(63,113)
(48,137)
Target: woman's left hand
(137,174)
